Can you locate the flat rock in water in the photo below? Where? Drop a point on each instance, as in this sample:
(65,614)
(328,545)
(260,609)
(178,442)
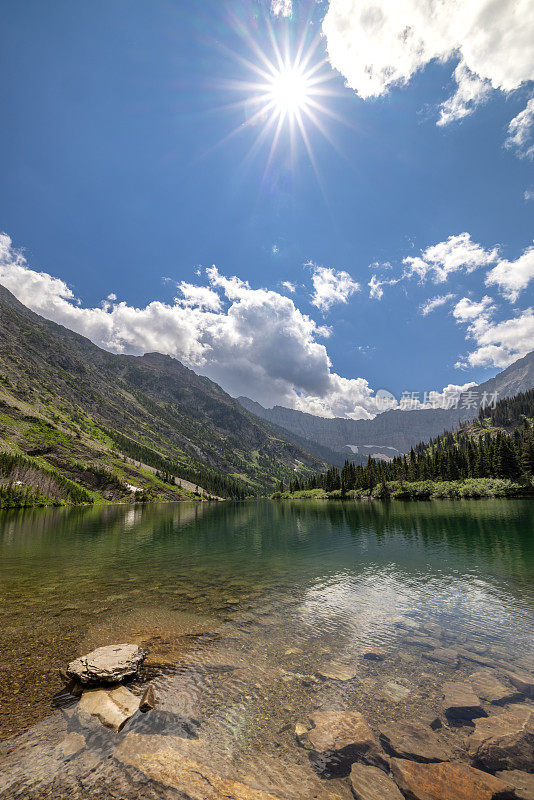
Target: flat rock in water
(489,688)
(159,760)
(370,783)
(337,672)
(523,681)
(113,707)
(109,664)
(505,741)
(339,738)
(523,782)
(413,741)
(443,655)
(447,781)
(396,691)
(460,701)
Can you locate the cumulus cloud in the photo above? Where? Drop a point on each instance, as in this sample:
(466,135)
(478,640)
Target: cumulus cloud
(198,296)
(467,310)
(520,132)
(432,303)
(281,8)
(440,260)
(501,343)
(513,276)
(378,44)
(498,343)
(251,341)
(331,286)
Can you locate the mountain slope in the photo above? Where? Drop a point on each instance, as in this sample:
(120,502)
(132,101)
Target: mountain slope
(400,430)
(65,400)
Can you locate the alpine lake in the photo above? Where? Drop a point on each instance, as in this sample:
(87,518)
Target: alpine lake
(255,617)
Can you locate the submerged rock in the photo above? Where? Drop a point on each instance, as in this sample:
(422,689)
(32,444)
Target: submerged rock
(338,672)
(523,782)
(460,702)
(374,654)
(370,783)
(113,707)
(109,664)
(339,738)
(489,688)
(443,655)
(447,781)
(505,741)
(177,770)
(523,681)
(413,741)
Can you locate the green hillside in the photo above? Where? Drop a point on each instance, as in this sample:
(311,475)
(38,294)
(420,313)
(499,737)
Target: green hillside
(120,427)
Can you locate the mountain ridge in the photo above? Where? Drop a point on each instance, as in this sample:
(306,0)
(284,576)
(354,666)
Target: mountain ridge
(65,400)
(399,429)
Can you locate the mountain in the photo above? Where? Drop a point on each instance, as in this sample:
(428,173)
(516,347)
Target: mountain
(109,422)
(393,432)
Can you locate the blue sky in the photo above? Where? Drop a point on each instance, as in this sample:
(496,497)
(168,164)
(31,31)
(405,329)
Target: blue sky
(130,163)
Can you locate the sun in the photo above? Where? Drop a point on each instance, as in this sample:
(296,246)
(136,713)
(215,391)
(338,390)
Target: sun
(283,94)
(290,90)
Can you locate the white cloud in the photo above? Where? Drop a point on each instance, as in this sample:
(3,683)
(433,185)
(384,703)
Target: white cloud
(432,303)
(377,44)
(289,286)
(253,341)
(471,91)
(520,132)
(501,343)
(440,260)
(471,311)
(281,8)
(529,194)
(198,297)
(331,286)
(513,276)
(498,344)
(375,287)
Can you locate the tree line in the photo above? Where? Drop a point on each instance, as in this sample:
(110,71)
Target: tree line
(500,444)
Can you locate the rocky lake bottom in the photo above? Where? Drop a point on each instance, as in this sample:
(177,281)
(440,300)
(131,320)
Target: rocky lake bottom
(295,651)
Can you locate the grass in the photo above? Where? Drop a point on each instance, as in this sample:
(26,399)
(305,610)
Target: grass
(472,488)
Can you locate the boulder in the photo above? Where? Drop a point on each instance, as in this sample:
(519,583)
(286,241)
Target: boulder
(447,780)
(337,739)
(523,782)
(113,707)
(109,664)
(460,702)
(489,688)
(443,655)
(413,741)
(523,681)
(370,783)
(505,741)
